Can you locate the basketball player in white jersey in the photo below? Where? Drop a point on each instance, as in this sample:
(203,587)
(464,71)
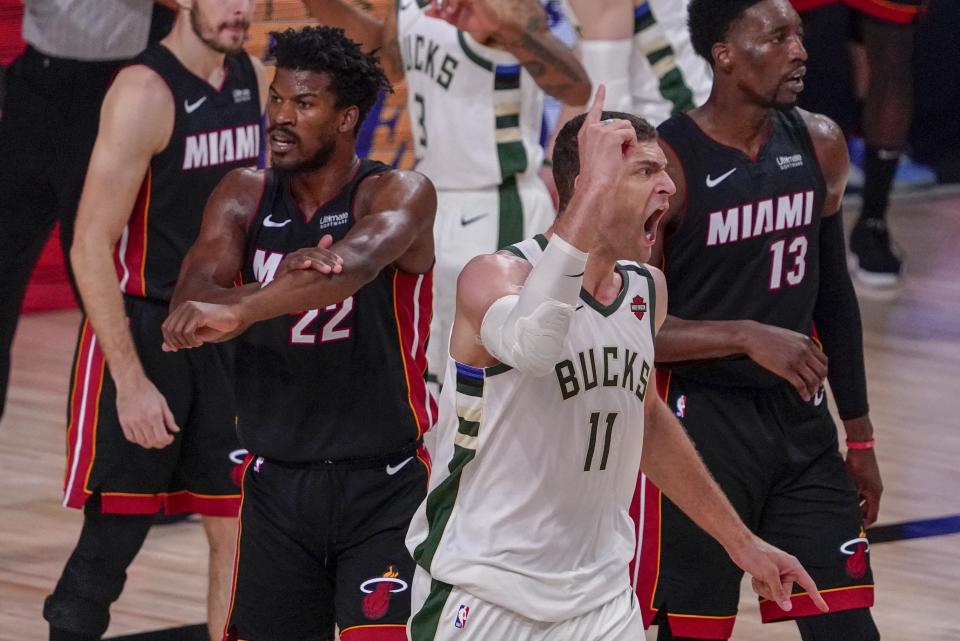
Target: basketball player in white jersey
(641,51)
(476,72)
(546,408)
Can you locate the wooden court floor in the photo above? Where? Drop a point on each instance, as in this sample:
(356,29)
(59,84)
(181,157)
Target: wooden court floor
(913,364)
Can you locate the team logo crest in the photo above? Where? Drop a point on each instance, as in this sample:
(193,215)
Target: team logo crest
(378,591)
(462,613)
(856,549)
(639,307)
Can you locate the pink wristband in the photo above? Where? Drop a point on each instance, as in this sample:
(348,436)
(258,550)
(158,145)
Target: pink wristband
(861,445)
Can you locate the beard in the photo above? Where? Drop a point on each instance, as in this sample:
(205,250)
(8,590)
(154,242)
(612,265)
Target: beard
(318,160)
(200,27)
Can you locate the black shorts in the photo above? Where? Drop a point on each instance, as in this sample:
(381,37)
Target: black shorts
(776,458)
(894,11)
(323,546)
(198,472)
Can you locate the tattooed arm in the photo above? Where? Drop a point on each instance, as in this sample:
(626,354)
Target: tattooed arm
(520,28)
(365,28)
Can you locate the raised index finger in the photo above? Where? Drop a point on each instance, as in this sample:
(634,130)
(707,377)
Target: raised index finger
(596,109)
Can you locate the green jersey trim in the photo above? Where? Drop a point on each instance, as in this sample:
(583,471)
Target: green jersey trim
(586,297)
(443,498)
(424,624)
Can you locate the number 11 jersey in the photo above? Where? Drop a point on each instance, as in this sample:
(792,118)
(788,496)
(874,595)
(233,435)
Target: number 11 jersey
(533,476)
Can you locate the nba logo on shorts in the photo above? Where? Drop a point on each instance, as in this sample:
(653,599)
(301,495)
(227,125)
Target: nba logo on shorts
(462,615)
(682,406)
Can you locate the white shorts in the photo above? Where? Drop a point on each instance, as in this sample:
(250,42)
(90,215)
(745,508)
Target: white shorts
(470,223)
(447,613)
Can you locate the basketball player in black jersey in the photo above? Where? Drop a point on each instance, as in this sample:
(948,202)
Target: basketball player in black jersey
(753,253)
(150,431)
(336,256)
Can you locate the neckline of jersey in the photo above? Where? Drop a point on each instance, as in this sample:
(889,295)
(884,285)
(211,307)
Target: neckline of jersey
(587,297)
(203,81)
(761,153)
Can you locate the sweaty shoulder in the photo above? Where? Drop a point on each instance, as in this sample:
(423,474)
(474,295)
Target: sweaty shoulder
(238,193)
(396,189)
(830,146)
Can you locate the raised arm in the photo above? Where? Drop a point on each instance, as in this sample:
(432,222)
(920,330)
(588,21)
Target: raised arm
(521,28)
(394,227)
(136,121)
(364,28)
(837,319)
(510,312)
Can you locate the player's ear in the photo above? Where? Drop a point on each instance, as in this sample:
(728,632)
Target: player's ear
(722,56)
(348,119)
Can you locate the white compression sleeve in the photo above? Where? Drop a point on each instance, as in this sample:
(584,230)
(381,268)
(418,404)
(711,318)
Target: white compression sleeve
(528,331)
(608,62)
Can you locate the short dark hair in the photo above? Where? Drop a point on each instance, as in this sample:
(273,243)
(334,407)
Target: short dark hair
(356,78)
(709,21)
(566,150)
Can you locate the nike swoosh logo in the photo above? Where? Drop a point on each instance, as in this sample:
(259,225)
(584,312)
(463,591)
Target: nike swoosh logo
(268,222)
(579,307)
(470,221)
(575,275)
(818,397)
(190,107)
(393,469)
(713,182)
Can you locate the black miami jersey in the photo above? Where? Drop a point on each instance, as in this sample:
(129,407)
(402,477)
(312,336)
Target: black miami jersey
(215,130)
(746,245)
(341,383)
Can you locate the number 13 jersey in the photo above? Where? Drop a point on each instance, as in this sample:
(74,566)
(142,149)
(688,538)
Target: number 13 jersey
(533,476)
(747,244)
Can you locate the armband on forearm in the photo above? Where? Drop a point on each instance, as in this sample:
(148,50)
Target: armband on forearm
(527,331)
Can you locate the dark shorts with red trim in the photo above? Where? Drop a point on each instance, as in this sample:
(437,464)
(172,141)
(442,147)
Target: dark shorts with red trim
(198,472)
(776,458)
(324,544)
(895,11)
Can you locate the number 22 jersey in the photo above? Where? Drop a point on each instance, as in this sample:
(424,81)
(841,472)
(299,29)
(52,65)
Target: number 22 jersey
(341,383)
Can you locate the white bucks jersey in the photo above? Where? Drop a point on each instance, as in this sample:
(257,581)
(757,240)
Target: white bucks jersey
(533,476)
(475,113)
(666,74)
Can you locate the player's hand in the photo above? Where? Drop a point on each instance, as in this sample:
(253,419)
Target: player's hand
(193,323)
(773,573)
(603,143)
(145,417)
(318,258)
(503,21)
(864,472)
(790,355)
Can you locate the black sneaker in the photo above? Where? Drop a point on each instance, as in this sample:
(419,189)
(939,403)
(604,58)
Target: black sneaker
(876,264)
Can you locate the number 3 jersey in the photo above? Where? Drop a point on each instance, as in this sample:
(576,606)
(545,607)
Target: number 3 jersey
(341,383)
(475,112)
(533,476)
(747,242)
